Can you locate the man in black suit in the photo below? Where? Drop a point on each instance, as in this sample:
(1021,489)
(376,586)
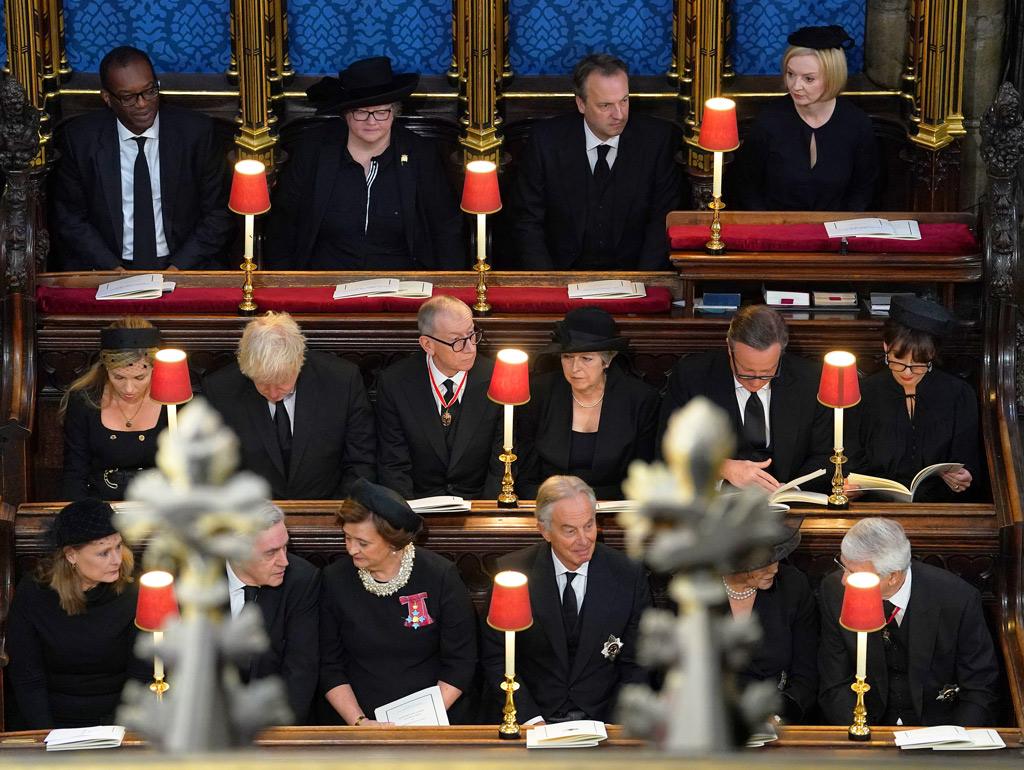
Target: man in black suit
(587,600)
(142,185)
(771,397)
(420,451)
(302,417)
(286,588)
(932,664)
(593,191)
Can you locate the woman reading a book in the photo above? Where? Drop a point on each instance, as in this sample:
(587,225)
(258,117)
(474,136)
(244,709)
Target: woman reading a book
(71,630)
(912,414)
(810,150)
(591,418)
(110,421)
(779,595)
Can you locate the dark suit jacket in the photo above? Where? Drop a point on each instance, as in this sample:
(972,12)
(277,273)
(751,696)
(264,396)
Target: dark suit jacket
(550,203)
(433,221)
(412,457)
(617,594)
(291,615)
(800,427)
(949,645)
(629,422)
(86,190)
(333,440)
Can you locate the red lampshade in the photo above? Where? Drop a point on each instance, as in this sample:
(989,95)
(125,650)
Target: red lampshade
(170,383)
(480,193)
(718,132)
(510,603)
(862,603)
(510,383)
(839,387)
(249,193)
(157,602)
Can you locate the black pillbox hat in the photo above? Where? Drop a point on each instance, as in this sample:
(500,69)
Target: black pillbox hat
(387,504)
(82,522)
(922,315)
(820,38)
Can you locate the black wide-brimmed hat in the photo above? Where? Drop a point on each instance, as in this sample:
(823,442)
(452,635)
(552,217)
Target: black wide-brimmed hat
(922,315)
(779,550)
(130,339)
(362,83)
(387,504)
(820,38)
(81,522)
(586,330)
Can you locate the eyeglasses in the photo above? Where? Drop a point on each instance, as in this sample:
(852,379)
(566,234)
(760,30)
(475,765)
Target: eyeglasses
(459,345)
(379,115)
(896,366)
(754,377)
(130,100)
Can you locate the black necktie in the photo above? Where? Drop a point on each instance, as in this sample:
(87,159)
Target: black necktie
(144,228)
(250,593)
(753,423)
(602,171)
(890,611)
(570,609)
(449,392)
(284,433)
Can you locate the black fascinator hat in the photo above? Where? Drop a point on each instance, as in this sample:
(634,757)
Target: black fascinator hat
(362,83)
(820,38)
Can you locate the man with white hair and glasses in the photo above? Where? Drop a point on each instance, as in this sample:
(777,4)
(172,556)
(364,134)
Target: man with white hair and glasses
(932,664)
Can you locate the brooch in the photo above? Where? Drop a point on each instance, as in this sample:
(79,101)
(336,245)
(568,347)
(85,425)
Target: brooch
(418,614)
(612,647)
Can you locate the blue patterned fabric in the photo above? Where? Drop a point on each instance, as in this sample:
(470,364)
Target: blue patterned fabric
(761,27)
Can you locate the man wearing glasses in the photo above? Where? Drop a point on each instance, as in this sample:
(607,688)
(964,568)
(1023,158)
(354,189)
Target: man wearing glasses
(141,186)
(363,192)
(436,428)
(782,432)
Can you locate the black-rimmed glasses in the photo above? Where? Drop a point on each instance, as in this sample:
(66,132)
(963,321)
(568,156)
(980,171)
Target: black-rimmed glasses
(896,366)
(459,345)
(147,94)
(755,377)
(379,115)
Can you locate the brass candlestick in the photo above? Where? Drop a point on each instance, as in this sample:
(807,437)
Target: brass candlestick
(247,306)
(482,306)
(716,245)
(838,498)
(859,730)
(508,497)
(509,728)
(159,686)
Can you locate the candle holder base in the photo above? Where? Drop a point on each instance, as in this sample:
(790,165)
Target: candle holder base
(509,728)
(481,307)
(859,730)
(247,307)
(507,498)
(159,687)
(838,498)
(716,245)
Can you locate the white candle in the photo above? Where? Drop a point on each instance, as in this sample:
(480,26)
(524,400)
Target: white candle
(250,222)
(508,427)
(158,662)
(172,417)
(716,186)
(510,654)
(862,655)
(839,431)
(481,237)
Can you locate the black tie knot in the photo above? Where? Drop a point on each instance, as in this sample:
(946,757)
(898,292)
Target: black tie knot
(602,152)
(141,141)
(449,389)
(250,593)
(754,424)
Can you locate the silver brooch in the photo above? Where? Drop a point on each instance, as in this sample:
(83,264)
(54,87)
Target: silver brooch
(612,647)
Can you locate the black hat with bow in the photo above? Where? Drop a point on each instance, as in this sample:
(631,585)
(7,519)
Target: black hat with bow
(361,84)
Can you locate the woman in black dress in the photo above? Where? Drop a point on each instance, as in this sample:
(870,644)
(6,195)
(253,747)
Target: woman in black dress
(780,597)
(71,630)
(591,418)
(394,618)
(912,414)
(110,422)
(810,150)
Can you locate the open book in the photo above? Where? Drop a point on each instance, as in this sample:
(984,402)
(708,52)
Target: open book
(100,737)
(609,289)
(873,227)
(894,489)
(948,738)
(791,492)
(148,286)
(384,287)
(578,734)
(439,504)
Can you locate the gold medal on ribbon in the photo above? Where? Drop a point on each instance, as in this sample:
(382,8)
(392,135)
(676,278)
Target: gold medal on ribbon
(446,418)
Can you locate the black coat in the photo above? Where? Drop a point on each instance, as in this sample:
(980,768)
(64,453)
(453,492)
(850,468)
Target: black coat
(333,440)
(800,428)
(291,616)
(617,594)
(629,422)
(88,219)
(412,457)
(431,217)
(949,644)
(551,211)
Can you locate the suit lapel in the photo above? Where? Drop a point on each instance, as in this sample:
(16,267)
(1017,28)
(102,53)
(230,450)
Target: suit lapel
(576,173)
(625,178)
(170,170)
(547,606)
(783,426)
(559,419)
(269,602)
(613,423)
(474,404)
(923,618)
(601,591)
(419,393)
(406,173)
(259,415)
(331,157)
(722,390)
(108,171)
(304,426)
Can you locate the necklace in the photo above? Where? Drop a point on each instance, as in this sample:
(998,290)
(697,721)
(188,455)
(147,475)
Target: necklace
(446,415)
(127,419)
(387,588)
(738,596)
(586,406)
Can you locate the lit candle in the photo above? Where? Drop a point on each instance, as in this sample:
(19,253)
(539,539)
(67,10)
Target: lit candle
(508,427)
(838,430)
(716,186)
(172,417)
(862,655)
(481,237)
(250,221)
(158,662)
(510,654)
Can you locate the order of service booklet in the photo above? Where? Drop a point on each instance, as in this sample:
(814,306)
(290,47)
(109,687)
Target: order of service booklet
(894,489)
(424,707)
(72,738)
(579,734)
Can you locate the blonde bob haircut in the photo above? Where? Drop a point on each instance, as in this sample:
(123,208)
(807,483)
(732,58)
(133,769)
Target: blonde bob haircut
(832,62)
(272,349)
(54,570)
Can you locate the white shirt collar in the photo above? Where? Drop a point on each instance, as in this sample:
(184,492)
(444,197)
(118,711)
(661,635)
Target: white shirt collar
(234,582)
(440,376)
(153,132)
(902,597)
(593,141)
(561,569)
(739,385)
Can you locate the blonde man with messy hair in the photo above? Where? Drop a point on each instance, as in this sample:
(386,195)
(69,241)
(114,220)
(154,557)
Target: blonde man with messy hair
(302,417)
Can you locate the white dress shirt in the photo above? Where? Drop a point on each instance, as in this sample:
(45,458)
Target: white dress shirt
(765,394)
(289,407)
(593,142)
(236,592)
(439,378)
(579,583)
(129,152)
(901,599)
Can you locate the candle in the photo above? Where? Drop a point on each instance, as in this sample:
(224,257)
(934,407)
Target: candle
(716,187)
(508,427)
(172,417)
(510,654)
(250,221)
(481,237)
(158,662)
(862,655)
(838,430)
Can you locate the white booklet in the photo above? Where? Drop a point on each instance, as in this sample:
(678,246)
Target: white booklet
(608,289)
(895,490)
(948,738)
(790,492)
(786,298)
(425,707)
(873,227)
(99,737)
(579,734)
(384,287)
(439,504)
(148,286)
(616,506)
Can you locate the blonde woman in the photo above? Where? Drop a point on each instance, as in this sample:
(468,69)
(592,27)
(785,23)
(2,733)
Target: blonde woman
(110,421)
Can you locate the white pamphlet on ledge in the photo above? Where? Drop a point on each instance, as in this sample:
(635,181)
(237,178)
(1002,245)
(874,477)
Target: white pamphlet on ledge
(608,289)
(148,286)
(579,734)
(948,738)
(384,287)
(872,227)
(99,737)
(425,707)
(439,504)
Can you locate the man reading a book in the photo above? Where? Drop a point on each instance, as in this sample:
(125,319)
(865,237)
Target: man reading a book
(932,664)
(770,396)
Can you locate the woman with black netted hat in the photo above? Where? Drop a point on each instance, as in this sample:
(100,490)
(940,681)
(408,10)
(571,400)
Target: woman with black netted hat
(810,150)
(912,414)
(71,630)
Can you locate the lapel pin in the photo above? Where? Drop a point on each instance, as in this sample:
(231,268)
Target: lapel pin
(404,159)
(611,648)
